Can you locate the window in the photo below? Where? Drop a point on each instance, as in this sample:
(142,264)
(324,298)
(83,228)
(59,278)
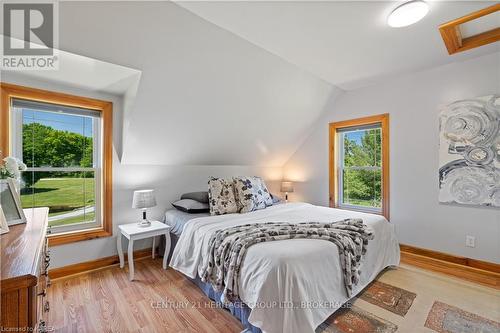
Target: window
(65,142)
(359,165)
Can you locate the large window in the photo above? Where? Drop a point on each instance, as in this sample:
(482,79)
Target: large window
(61,147)
(64,141)
(359,165)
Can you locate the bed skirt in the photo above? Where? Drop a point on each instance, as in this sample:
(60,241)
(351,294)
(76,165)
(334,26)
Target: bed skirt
(241,311)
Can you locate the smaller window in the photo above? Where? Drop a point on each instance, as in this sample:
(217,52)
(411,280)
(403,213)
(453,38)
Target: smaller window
(359,165)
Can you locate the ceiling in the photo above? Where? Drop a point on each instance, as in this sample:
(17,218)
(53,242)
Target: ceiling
(206,96)
(346,43)
(84,73)
(246,83)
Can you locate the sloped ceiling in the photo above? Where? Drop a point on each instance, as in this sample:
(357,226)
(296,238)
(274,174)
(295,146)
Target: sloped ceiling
(206,96)
(347,43)
(246,89)
(81,72)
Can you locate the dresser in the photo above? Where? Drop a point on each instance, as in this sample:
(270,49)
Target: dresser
(24,263)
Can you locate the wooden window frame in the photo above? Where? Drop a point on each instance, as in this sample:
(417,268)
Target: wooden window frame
(383,120)
(452,35)
(9,91)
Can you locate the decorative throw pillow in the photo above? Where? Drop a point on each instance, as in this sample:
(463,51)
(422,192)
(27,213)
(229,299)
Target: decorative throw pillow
(191,206)
(251,193)
(276,199)
(201,196)
(221,196)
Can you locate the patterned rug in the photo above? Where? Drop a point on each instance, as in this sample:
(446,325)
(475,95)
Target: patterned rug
(388,297)
(353,319)
(356,320)
(449,319)
(385,307)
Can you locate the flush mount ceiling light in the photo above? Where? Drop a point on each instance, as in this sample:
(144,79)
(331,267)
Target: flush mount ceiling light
(408,13)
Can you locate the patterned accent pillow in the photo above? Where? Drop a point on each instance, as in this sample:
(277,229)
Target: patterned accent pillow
(221,196)
(251,194)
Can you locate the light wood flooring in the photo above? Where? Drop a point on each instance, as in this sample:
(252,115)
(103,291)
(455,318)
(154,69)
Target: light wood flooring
(166,301)
(157,301)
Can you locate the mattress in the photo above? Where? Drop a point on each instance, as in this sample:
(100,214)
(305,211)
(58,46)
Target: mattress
(177,219)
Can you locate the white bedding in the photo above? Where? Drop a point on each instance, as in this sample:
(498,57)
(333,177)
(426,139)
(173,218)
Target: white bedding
(291,285)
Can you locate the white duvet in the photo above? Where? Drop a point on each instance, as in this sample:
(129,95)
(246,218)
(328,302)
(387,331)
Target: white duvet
(291,285)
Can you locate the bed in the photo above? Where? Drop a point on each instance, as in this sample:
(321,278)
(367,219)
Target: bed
(290,285)
(177,220)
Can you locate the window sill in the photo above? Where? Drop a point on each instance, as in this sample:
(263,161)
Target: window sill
(78,236)
(361,210)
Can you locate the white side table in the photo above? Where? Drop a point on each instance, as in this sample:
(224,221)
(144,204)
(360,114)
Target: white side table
(133,232)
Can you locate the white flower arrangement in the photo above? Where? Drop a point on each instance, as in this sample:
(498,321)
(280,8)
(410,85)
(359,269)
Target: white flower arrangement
(11,167)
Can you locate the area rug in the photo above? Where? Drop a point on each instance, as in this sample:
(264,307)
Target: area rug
(355,320)
(388,297)
(445,318)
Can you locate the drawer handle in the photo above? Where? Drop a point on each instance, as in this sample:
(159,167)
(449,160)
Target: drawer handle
(42,327)
(46,307)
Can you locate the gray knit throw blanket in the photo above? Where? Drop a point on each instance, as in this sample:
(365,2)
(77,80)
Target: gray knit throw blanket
(227,248)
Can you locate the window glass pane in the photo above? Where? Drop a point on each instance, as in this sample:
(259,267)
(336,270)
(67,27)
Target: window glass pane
(362,147)
(53,139)
(362,187)
(70,196)
(361,167)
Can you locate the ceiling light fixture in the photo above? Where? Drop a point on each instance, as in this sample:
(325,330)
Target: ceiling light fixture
(408,13)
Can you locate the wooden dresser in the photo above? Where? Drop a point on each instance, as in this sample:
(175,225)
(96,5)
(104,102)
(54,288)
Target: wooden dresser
(25,261)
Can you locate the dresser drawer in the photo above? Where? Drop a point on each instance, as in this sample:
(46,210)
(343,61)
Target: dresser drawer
(24,269)
(43,306)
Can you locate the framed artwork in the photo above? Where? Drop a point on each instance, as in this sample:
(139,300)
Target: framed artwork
(11,202)
(469,152)
(4,227)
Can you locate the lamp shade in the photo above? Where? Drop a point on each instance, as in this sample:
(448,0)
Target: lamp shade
(144,199)
(286,187)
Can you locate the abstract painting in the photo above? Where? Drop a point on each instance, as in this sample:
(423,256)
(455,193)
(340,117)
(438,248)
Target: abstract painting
(469,152)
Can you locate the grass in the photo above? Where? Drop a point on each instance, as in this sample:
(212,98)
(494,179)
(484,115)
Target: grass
(89,217)
(361,202)
(61,195)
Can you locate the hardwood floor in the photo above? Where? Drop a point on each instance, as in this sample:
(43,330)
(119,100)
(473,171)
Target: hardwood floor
(157,301)
(166,301)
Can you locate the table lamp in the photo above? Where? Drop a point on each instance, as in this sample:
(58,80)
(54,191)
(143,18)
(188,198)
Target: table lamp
(144,199)
(286,187)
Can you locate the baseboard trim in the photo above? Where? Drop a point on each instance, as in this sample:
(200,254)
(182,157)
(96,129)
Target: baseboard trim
(478,271)
(60,272)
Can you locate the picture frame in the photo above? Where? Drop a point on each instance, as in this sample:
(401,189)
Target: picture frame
(10,202)
(4,227)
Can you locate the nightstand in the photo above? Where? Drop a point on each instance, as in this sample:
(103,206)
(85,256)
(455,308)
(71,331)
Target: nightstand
(133,232)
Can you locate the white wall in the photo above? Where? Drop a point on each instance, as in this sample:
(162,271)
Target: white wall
(225,99)
(413,104)
(169,182)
